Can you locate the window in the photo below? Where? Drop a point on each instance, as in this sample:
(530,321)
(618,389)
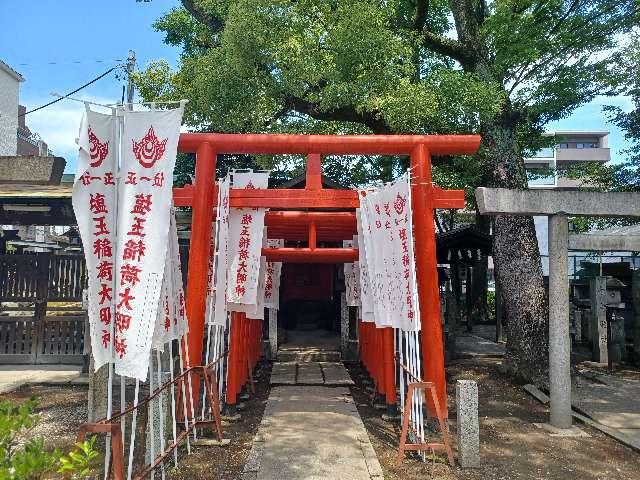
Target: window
(563,145)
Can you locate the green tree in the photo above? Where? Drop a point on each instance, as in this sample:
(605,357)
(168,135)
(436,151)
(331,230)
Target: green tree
(503,68)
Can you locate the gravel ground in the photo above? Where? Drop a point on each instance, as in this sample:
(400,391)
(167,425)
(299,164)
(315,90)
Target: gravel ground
(227,463)
(511,446)
(62,410)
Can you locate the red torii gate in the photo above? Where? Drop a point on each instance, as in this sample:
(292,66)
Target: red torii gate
(320,226)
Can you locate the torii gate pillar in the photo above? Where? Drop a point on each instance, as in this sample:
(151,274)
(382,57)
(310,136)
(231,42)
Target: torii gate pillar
(427,274)
(557,205)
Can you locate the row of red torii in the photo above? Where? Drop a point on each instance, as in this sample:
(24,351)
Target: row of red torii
(300,216)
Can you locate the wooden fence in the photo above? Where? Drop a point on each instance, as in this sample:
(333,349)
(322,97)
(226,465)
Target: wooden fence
(41,317)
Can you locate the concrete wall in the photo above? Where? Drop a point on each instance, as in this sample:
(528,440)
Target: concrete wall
(9,88)
(582,155)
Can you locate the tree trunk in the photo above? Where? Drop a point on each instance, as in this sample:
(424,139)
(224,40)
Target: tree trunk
(517,259)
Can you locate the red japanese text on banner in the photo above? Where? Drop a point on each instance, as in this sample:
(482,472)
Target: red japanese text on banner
(272,278)
(149,144)
(216,296)
(351,279)
(171,321)
(94,204)
(246,229)
(387,213)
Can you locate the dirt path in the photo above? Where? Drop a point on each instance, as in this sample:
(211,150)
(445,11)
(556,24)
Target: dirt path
(511,446)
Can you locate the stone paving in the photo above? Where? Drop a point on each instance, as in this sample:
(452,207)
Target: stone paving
(469,345)
(309,373)
(612,402)
(312,432)
(13,377)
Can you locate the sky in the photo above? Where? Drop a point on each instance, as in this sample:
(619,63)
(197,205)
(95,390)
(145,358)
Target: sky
(59,45)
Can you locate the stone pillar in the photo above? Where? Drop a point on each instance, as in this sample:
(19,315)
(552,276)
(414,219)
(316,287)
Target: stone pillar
(598,293)
(97,395)
(499,310)
(576,320)
(344,325)
(559,337)
(273,332)
(468,426)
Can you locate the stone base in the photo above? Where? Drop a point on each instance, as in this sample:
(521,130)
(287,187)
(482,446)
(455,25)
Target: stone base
(210,442)
(562,432)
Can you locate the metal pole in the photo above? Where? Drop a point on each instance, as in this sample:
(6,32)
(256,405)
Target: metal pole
(559,339)
(131,65)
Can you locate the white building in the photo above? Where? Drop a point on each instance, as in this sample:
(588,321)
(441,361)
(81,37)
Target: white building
(571,148)
(9,90)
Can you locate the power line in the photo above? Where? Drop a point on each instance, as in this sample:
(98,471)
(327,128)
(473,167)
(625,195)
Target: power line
(67,62)
(70,93)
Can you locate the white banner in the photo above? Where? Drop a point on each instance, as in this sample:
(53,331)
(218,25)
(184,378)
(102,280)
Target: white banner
(171,322)
(216,295)
(386,214)
(94,204)
(246,231)
(149,145)
(351,279)
(366,300)
(272,281)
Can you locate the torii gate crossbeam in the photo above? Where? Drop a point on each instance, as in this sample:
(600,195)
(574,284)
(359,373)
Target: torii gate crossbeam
(426,197)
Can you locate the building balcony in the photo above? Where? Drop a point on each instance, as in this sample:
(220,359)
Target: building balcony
(583,155)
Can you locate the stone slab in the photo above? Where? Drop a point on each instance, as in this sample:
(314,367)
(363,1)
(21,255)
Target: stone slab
(13,377)
(594,242)
(310,374)
(313,433)
(335,374)
(31,169)
(283,373)
(471,346)
(493,201)
(562,432)
(614,404)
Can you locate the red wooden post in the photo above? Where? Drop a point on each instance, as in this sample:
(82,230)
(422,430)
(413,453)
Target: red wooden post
(389,365)
(313,180)
(199,252)
(235,337)
(427,275)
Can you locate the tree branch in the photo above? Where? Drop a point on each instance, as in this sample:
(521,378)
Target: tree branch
(422,11)
(214,22)
(447,47)
(340,114)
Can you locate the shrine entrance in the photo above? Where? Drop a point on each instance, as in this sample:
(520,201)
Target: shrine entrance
(309,316)
(314,215)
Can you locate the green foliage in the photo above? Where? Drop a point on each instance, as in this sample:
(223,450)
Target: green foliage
(29,461)
(361,66)
(81,461)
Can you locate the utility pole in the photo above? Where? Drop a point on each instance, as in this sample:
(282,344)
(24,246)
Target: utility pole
(131,65)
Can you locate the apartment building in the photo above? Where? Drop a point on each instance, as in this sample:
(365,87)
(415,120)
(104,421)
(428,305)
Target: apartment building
(571,148)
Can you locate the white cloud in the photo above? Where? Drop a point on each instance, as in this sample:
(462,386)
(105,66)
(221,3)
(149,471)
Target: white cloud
(58,125)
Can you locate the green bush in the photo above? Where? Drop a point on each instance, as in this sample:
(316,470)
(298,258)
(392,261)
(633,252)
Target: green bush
(31,460)
(81,461)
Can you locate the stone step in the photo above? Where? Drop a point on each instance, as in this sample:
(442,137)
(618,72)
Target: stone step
(302,356)
(310,373)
